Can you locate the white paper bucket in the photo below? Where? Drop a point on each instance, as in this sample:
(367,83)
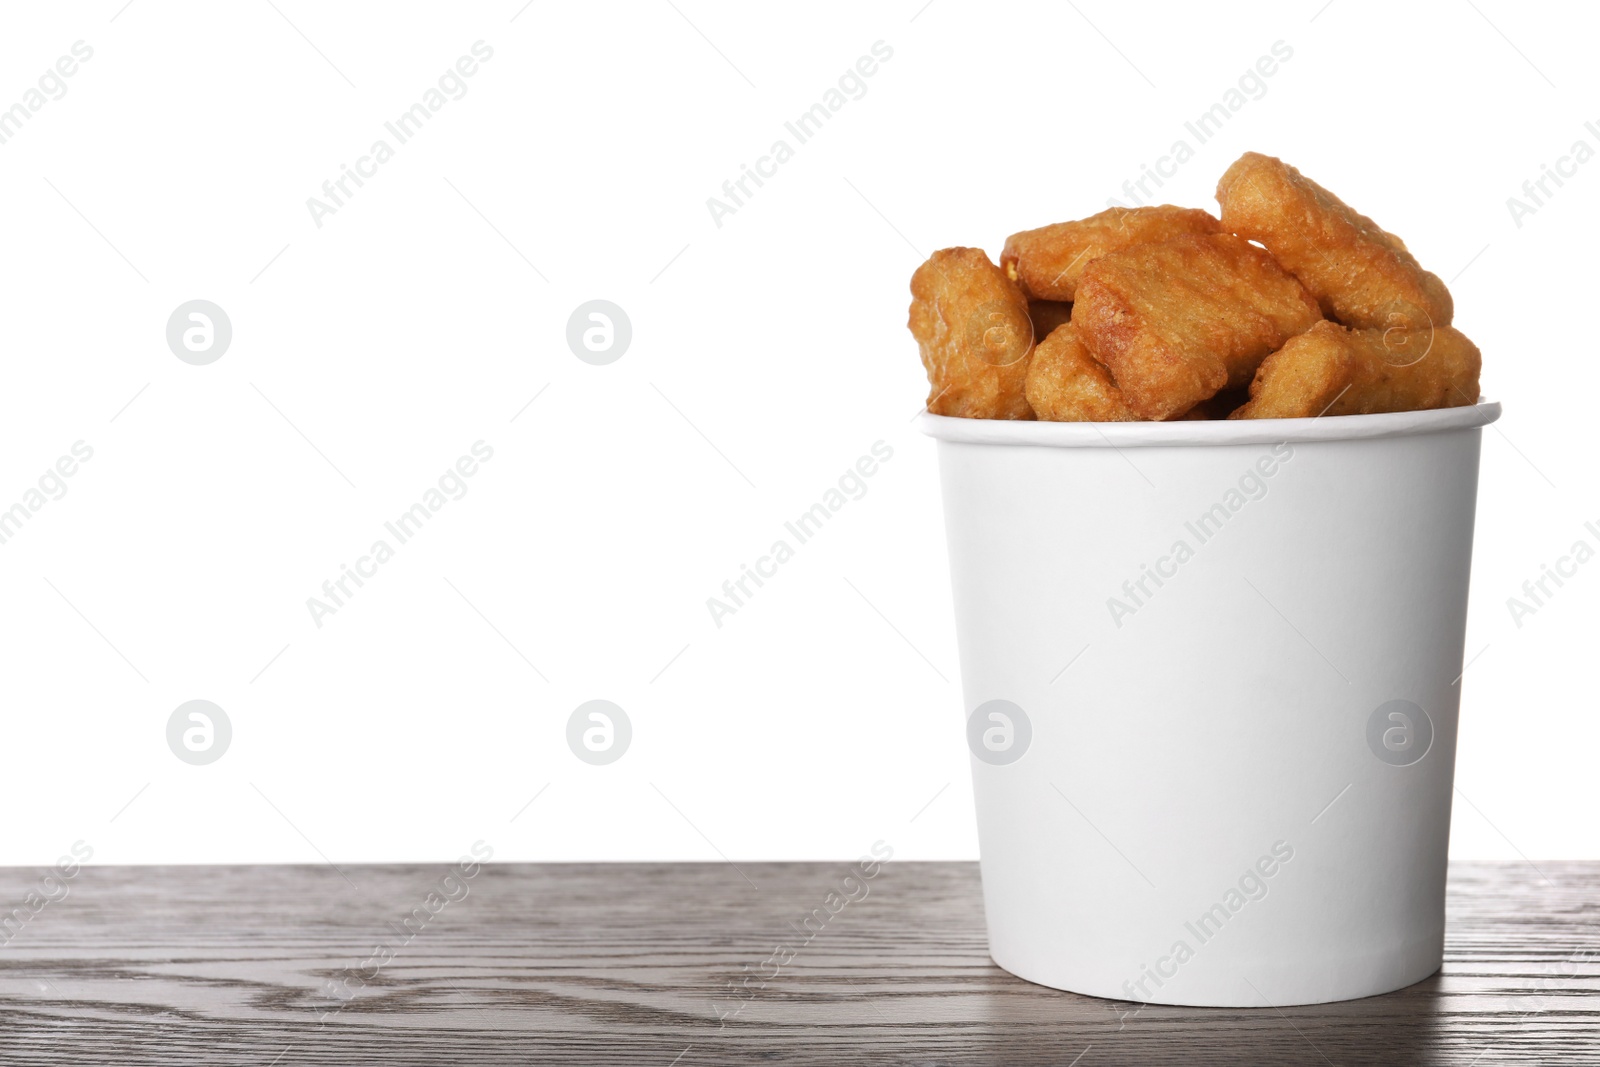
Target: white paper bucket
(1212,675)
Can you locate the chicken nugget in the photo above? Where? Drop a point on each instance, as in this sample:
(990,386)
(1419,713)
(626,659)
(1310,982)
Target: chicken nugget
(1178,321)
(1331,370)
(1048,262)
(1046,316)
(971,324)
(1361,275)
(1065,384)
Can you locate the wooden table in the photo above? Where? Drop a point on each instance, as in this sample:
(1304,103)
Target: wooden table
(644,964)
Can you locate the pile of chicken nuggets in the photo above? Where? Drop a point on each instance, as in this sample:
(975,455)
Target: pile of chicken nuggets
(1290,305)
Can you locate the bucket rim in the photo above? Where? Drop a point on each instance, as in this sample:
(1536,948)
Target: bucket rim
(1206,433)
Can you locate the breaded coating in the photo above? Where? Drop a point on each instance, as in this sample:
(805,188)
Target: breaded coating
(1331,370)
(1360,274)
(1046,316)
(1178,321)
(971,324)
(1048,262)
(1065,384)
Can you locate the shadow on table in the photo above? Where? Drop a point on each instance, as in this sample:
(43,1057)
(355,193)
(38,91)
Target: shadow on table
(1033,1024)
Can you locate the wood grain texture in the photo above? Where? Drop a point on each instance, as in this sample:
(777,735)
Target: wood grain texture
(636,964)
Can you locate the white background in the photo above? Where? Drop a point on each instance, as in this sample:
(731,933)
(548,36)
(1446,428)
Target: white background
(768,354)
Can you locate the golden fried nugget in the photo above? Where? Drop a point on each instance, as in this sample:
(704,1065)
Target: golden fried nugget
(1178,321)
(1048,262)
(1046,316)
(1331,370)
(1065,384)
(1360,274)
(971,324)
